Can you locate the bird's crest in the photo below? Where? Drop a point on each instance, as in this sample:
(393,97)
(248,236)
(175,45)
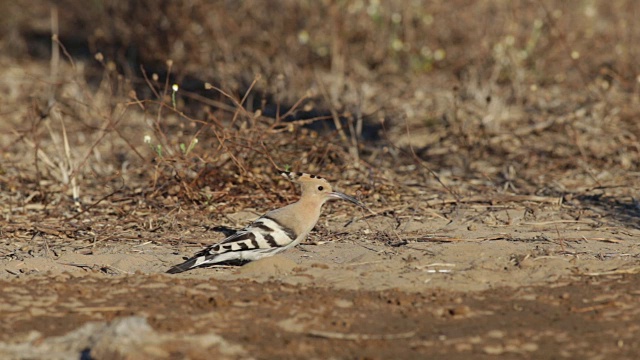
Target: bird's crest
(299,177)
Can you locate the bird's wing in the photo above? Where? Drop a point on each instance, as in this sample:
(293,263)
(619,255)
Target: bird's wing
(263,237)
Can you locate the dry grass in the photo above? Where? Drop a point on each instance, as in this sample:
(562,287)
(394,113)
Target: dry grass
(405,104)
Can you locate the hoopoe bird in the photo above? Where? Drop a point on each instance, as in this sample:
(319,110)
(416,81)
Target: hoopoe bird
(275,231)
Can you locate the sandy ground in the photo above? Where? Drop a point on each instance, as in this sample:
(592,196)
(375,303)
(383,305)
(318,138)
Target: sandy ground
(455,290)
(443,255)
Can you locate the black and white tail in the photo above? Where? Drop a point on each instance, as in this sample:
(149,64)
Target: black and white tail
(187,265)
(264,237)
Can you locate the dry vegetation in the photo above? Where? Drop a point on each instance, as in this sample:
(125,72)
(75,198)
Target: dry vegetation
(527,98)
(419,107)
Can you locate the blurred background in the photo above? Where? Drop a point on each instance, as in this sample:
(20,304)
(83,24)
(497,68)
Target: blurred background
(442,99)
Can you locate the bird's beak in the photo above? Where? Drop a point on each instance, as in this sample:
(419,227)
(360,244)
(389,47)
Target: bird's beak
(339,195)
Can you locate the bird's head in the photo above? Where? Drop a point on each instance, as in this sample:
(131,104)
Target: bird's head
(316,187)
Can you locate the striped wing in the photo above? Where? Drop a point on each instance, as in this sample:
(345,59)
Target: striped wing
(264,237)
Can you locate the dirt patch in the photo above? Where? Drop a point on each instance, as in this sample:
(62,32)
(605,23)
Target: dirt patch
(426,254)
(582,318)
(525,296)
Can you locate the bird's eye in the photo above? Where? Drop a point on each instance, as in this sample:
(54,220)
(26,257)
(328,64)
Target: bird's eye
(320,188)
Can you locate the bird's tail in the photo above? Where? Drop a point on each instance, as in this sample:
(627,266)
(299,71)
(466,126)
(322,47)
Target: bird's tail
(187,265)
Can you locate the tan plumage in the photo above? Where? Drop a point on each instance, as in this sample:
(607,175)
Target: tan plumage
(275,231)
